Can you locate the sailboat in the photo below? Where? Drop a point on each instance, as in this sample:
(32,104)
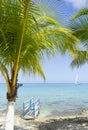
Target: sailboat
(77,79)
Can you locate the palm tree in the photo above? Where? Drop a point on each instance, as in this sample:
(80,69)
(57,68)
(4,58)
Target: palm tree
(79,26)
(25,37)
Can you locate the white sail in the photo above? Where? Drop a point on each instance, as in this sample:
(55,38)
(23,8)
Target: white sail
(77,79)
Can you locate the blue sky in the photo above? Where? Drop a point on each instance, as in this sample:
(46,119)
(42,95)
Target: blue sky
(57,69)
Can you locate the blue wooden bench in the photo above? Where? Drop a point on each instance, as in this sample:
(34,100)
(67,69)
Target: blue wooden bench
(31,108)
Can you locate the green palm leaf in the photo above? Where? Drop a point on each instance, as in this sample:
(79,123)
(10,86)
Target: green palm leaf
(25,37)
(83,12)
(79,26)
(81,57)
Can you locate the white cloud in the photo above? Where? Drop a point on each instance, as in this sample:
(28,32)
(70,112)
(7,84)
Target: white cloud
(78,4)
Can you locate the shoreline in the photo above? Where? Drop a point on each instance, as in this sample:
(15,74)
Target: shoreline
(49,123)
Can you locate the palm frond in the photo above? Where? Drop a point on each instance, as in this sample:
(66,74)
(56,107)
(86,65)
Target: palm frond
(80,58)
(80,28)
(25,37)
(83,12)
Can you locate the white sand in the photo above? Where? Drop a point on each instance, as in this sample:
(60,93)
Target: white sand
(21,123)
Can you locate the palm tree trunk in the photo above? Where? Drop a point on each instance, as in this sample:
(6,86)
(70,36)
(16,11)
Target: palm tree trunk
(10,116)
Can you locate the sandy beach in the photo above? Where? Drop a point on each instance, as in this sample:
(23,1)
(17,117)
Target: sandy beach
(75,122)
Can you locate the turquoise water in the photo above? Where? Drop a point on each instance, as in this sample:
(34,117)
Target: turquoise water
(56,99)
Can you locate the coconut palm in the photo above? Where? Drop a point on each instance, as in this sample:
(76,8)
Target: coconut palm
(79,26)
(25,37)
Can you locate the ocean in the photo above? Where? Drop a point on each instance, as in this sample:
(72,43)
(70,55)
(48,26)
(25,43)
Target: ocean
(57,99)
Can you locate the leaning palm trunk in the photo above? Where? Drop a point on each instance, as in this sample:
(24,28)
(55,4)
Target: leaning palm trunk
(10,116)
